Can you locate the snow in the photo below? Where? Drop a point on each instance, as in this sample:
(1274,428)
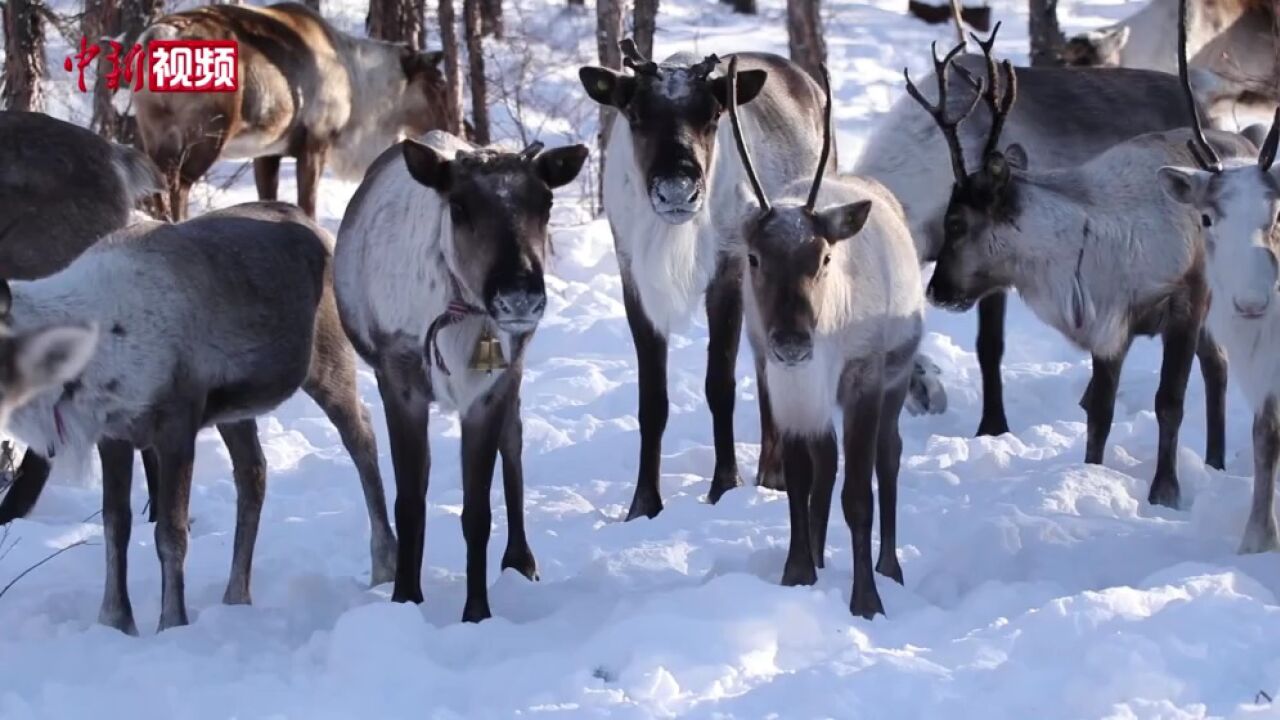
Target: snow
(1036,586)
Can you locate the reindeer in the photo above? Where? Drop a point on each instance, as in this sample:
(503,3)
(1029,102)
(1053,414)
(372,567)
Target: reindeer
(837,320)
(306,91)
(1096,251)
(209,322)
(1239,206)
(39,359)
(61,188)
(1233,40)
(439,272)
(1063,117)
(666,192)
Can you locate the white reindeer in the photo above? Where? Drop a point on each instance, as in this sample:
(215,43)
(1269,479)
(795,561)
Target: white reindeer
(1231,41)
(1096,251)
(667,192)
(1239,205)
(837,320)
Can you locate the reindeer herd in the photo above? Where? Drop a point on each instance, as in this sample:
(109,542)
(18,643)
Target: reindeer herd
(1082,189)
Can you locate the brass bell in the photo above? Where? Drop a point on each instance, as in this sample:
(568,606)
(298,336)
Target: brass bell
(487,356)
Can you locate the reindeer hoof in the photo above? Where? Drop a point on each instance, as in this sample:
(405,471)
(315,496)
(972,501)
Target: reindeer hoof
(120,619)
(476,611)
(236,596)
(1260,537)
(771,477)
(993,427)
(1165,491)
(888,566)
(644,504)
(520,559)
(723,483)
(799,571)
(406,594)
(926,394)
(866,602)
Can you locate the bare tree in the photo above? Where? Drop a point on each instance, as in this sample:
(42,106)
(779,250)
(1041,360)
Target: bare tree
(24,65)
(804,31)
(396,21)
(101,20)
(1046,35)
(608,33)
(452,71)
(471,30)
(646,17)
(491,18)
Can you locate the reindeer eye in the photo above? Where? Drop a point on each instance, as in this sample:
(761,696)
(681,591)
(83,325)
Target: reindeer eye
(753,260)
(1206,221)
(826,260)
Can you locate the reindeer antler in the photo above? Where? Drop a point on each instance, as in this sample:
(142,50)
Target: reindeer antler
(532,151)
(939,111)
(1200,148)
(826,142)
(737,136)
(632,58)
(999,107)
(702,69)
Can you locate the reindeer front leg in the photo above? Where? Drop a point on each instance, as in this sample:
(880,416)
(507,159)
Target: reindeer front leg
(861,433)
(405,399)
(769,471)
(797,459)
(177,451)
(1180,341)
(518,555)
(651,357)
(1099,404)
(1260,533)
(724,324)
(482,428)
(117,527)
(991,312)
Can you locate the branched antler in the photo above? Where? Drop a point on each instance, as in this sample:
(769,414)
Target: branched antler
(949,128)
(998,103)
(632,58)
(532,151)
(703,69)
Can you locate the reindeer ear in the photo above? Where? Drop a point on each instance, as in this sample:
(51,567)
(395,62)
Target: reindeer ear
(842,222)
(53,356)
(1098,47)
(1184,185)
(427,166)
(750,83)
(560,166)
(6,298)
(1016,156)
(607,87)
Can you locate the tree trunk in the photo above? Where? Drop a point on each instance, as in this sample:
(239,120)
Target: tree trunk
(131,17)
(452,72)
(1046,36)
(491,18)
(608,33)
(471,29)
(646,16)
(24,57)
(102,20)
(804,31)
(396,21)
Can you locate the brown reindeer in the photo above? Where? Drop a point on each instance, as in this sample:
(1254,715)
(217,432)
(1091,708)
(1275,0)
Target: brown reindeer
(305,91)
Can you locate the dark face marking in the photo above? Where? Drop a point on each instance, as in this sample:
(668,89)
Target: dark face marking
(499,204)
(673,116)
(789,258)
(969,264)
(426,92)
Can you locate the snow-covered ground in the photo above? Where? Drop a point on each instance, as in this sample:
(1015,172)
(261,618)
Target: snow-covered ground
(1036,586)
